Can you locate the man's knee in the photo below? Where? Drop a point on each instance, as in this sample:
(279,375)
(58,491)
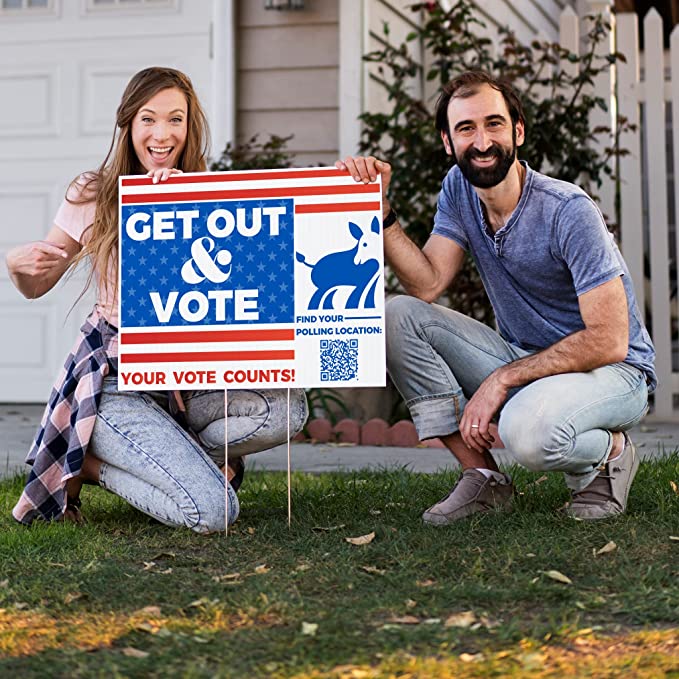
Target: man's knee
(535,441)
(402,308)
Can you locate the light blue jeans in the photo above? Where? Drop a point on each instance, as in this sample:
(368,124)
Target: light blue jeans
(438,358)
(159,468)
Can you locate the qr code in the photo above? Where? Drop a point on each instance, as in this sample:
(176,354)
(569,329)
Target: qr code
(339,360)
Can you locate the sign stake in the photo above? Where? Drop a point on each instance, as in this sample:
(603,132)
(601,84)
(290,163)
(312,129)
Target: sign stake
(226,463)
(289,474)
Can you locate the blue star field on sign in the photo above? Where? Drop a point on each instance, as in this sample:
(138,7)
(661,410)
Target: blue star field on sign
(160,267)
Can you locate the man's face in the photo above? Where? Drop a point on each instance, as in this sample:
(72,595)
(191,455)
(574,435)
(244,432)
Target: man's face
(483,139)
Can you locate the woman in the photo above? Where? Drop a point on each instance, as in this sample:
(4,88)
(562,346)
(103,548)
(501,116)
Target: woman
(134,444)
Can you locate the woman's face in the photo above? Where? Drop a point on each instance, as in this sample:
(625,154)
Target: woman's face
(159,129)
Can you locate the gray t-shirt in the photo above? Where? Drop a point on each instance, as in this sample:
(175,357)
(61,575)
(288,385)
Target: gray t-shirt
(554,247)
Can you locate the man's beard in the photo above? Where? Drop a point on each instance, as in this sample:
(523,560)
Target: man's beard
(487,177)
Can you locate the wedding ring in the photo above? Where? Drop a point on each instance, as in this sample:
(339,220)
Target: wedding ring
(475,426)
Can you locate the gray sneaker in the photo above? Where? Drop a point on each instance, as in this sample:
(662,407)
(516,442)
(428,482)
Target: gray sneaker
(472,493)
(607,495)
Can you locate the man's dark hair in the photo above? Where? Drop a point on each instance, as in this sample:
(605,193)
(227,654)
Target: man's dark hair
(467,84)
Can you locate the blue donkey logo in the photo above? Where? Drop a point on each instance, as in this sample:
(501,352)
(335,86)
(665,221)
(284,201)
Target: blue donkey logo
(357,268)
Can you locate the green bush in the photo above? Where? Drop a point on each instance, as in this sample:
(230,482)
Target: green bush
(557,105)
(255,155)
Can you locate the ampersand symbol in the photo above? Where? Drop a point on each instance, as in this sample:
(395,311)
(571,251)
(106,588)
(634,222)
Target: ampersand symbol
(207,266)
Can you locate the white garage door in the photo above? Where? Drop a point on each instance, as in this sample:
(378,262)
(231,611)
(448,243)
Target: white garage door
(63,67)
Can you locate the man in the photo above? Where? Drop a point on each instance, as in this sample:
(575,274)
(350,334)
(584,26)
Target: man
(572,365)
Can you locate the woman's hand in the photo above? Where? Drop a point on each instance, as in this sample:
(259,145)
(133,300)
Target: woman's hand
(39,258)
(36,267)
(365,169)
(162,174)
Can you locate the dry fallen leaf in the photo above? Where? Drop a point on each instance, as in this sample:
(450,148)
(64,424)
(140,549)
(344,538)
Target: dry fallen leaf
(4,583)
(148,565)
(542,479)
(303,567)
(309,629)
(558,576)
(73,596)
(163,555)
(251,530)
(362,539)
(375,512)
(674,487)
(410,603)
(228,577)
(471,657)
(201,602)
(328,528)
(373,570)
(607,548)
(488,623)
(145,627)
(404,620)
(463,619)
(134,653)
(261,569)
(167,571)
(674,537)
(425,583)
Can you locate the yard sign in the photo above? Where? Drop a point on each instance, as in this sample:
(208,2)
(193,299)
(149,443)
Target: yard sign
(265,278)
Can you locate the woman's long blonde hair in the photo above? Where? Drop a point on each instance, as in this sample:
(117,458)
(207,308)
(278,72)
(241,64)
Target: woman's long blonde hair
(102,185)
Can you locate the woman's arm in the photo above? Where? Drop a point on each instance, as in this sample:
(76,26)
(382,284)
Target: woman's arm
(35,268)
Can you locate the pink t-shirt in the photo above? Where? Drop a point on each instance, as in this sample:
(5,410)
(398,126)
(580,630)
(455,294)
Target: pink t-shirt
(73,219)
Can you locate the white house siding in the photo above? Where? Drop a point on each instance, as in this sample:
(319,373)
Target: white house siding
(287,77)
(527,18)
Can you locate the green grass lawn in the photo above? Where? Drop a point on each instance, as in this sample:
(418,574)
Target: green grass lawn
(123,596)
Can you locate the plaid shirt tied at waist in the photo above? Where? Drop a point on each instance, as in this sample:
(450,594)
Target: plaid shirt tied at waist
(61,442)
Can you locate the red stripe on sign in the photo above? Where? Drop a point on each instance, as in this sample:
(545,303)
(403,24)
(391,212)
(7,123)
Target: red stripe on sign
(242,194)
(337,207)
(208,356)
(207,336)
(239,177)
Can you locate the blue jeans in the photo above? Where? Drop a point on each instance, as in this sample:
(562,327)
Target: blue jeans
(159,468)
(438,358)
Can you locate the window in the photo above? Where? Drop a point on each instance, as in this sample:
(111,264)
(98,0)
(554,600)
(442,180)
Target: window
(103,5)
(36,6)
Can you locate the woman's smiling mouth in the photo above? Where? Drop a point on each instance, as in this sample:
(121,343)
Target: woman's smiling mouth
(160,153)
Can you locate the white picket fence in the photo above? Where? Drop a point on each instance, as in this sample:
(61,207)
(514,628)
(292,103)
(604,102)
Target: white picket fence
(649,82)
(640,90)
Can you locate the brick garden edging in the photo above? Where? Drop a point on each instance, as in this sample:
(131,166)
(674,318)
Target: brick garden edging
(375,432)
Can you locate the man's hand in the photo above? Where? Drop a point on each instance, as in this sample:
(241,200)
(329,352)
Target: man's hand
(479,411)
(365,169)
